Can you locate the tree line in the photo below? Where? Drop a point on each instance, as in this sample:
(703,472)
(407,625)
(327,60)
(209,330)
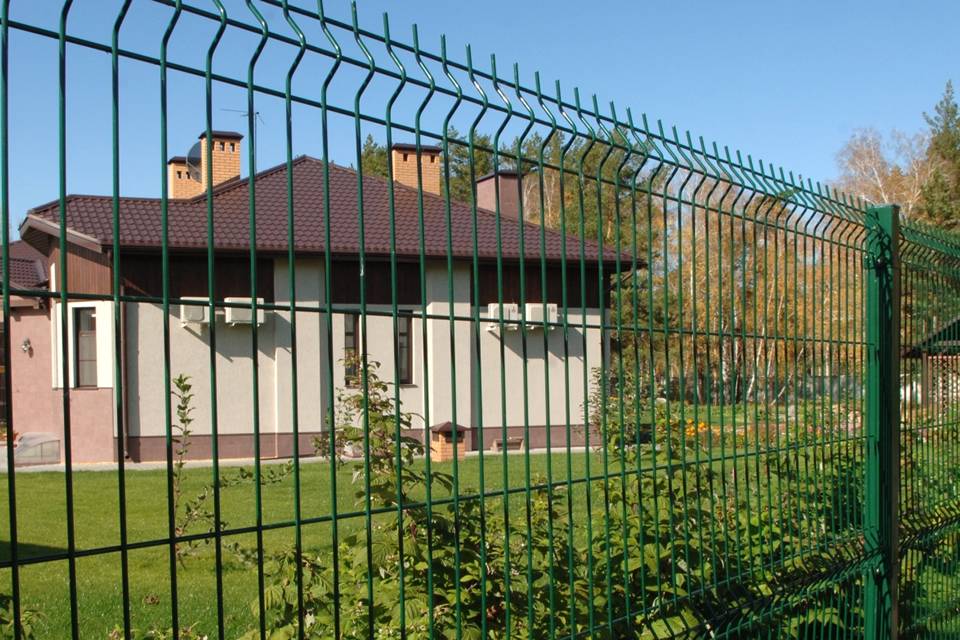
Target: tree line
(725,293)
(920,172)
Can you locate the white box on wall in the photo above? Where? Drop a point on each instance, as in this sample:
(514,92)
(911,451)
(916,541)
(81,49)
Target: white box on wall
(195,313)
(536,315)
(242,314)
(511,316)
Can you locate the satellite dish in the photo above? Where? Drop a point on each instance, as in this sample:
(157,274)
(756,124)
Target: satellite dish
(193,162)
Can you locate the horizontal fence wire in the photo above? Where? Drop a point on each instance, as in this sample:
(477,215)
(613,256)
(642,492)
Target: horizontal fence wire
(425,351)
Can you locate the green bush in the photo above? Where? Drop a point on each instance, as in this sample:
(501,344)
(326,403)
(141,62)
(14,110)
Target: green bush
(673,554)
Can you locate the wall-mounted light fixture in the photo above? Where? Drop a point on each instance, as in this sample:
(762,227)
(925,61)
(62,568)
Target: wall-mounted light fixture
(26,346)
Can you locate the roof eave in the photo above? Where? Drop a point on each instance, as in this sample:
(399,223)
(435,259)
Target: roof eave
(37,224)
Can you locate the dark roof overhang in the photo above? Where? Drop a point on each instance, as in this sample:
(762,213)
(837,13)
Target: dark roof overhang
(230,135)
(405,146)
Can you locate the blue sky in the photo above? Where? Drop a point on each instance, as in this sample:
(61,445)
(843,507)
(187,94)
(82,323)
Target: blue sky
(785,82)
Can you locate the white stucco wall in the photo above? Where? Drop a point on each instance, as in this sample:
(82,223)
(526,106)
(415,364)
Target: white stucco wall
(190,355)
(312,348)
(549,387)
(449,348)
(436,358)
(313,361)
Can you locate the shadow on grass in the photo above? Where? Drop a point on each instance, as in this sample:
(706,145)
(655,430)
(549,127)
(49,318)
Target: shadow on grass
(26,550)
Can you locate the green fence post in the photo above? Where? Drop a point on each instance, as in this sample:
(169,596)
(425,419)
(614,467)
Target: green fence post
(882,413)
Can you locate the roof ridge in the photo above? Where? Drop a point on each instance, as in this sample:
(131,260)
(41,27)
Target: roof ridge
(233,183)
(532,225)
(92,196)
(219,188)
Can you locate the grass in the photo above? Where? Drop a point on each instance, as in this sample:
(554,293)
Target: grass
(41,526)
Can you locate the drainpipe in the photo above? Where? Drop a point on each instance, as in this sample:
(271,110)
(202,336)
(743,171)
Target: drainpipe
(124,434)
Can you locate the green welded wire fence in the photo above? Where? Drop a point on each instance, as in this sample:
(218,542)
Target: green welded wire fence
(444,351)
(928,438)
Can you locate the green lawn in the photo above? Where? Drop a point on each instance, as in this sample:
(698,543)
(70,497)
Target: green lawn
(41,528)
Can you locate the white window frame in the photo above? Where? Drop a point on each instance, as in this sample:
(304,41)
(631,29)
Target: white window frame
(103,312)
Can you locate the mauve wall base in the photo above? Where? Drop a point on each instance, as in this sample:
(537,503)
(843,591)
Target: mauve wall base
(153,448)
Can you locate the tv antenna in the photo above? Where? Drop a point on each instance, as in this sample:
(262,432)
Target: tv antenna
(257,118)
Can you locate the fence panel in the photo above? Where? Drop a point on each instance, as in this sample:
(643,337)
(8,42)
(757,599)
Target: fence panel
(427,350)
(929,436)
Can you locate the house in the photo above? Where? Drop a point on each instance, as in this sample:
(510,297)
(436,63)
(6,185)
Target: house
(109,415)
(930,368)
(27,271)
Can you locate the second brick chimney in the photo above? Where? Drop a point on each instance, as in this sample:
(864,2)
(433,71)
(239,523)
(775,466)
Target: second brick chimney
(507,181)
(179,181)
(404,157)
(225,153)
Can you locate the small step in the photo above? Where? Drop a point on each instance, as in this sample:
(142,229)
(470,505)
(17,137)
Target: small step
(512,444)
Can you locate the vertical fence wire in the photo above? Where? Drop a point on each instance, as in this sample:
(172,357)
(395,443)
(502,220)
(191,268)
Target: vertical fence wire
(15,607)
(212,310)
(116,285)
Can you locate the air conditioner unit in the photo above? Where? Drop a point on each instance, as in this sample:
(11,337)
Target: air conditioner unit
(194,313)
(511,316)
(535,315)
(242,314)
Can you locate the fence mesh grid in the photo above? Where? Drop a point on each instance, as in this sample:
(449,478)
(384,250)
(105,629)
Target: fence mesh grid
(459,357)
(928,437)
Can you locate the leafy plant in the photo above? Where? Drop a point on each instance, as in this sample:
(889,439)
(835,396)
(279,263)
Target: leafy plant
(678,551)
(29,618)
(193,511)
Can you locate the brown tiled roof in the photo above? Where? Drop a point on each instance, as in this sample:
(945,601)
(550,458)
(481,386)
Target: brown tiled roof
(26,266)
(91,216)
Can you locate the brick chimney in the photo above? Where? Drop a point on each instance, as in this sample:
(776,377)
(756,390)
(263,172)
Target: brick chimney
(404,158)
(179,182)
(509,193)
(225,153)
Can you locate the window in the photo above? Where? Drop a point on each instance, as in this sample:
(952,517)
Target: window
(351,332)
(232,147)
(404,350)
(221,145)
(85,345)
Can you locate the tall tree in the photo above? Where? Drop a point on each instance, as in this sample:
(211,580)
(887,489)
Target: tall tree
(373,156)
(887,170)
(941,193)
